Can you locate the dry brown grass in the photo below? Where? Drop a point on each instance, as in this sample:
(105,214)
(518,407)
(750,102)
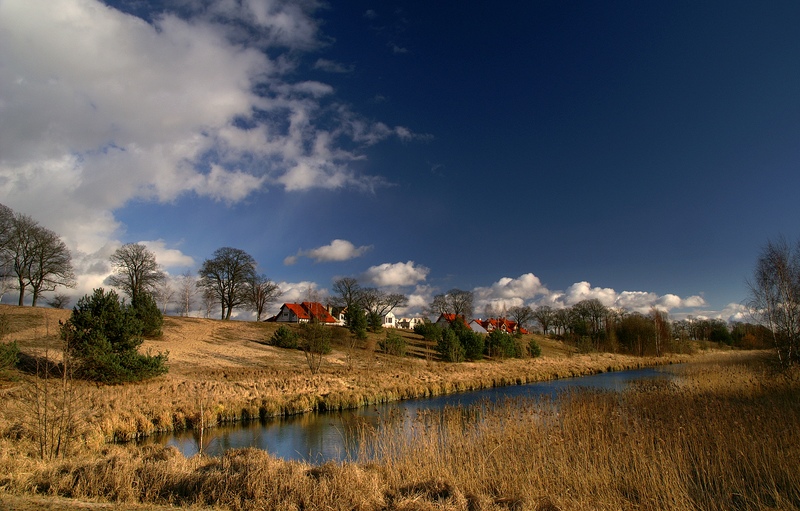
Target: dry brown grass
(722,438)
(510,461)
(227,369)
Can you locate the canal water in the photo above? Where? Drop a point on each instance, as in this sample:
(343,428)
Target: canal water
(330,436)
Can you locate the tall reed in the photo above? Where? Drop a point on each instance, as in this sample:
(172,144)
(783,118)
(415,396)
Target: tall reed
(722,437)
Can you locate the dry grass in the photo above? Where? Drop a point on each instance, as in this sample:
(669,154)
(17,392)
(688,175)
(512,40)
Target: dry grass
(227,369)
(723,438)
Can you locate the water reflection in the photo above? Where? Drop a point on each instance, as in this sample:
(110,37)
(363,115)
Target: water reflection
(320,437)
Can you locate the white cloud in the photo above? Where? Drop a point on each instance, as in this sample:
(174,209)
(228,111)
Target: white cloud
(396,274)
(168,257)
(100,108)
(295,292)
(336,250)
(527,289)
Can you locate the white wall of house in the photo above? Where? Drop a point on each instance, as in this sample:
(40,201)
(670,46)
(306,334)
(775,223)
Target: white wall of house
(389,321)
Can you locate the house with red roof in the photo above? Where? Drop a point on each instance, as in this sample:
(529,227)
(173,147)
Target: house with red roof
(303,312)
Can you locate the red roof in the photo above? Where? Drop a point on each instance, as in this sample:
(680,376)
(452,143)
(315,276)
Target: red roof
(310,310)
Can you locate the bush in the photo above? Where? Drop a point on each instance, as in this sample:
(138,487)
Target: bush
(394,344)
(473,344)
(356,321)
(9,355)
(146,311)
(285,337)
(502,345)
(429,331)
(104,335)
(449,346)
(534,350)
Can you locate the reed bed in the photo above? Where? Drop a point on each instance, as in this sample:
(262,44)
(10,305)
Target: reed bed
(724,436)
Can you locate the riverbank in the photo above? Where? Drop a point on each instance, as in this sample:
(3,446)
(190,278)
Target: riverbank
(722,438)
(223,372)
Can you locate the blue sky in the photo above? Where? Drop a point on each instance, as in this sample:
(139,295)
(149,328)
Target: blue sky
(533,152)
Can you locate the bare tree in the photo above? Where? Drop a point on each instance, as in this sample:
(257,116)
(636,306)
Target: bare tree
(37,258)
(455,301)
(227,275)
(545,316)
(135,271)
(775,297)
(261,292)
(522,314)
(59,301)
(163,294)
(346,291)
(187,289)
(379,303)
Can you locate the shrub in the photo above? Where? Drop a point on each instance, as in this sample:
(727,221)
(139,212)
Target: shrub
(284,337)
(429,331)
(356,321)
(473,344)
(449,346)
(146,311)
(534,350)
(9,355)
(394,344)
(502,345)
(315,343)
(104,336)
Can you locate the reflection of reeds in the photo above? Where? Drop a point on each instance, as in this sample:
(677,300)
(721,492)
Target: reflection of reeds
(723,437)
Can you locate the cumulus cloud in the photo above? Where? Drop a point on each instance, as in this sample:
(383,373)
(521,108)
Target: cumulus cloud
(295,292)
(168,257)
(336,250)
(100,108)
(527,289)
(396,274)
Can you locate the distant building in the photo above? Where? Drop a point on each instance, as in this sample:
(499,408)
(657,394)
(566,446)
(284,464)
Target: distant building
(303,313)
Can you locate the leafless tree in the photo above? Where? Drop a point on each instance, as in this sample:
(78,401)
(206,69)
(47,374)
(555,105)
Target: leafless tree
(346,292)
(187,289)
(455,301)
(545,316)
(163,294)
(37,258)
(522,314)
(59,301)
(775,297)
(227,275)
(379,303)
(261,292)
(135,271)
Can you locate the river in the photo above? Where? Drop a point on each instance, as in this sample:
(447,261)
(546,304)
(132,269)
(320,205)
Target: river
(328,436)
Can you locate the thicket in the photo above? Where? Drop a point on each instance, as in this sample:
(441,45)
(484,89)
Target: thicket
(501,344)
(393,344)
(285,337)
(104,335)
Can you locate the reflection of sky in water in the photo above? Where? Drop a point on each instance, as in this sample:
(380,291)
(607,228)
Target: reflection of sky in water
(319,437)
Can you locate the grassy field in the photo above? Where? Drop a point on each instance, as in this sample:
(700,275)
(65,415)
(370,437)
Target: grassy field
(722,439)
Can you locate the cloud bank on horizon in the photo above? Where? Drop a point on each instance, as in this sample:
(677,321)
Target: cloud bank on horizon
(101,108)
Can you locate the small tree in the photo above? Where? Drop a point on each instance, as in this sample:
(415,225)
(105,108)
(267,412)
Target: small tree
(261,292)
(502,345)
(356,321)
(104,335)
(284,337)
(316,343)
(393,344)
(449,346)
(146,311)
